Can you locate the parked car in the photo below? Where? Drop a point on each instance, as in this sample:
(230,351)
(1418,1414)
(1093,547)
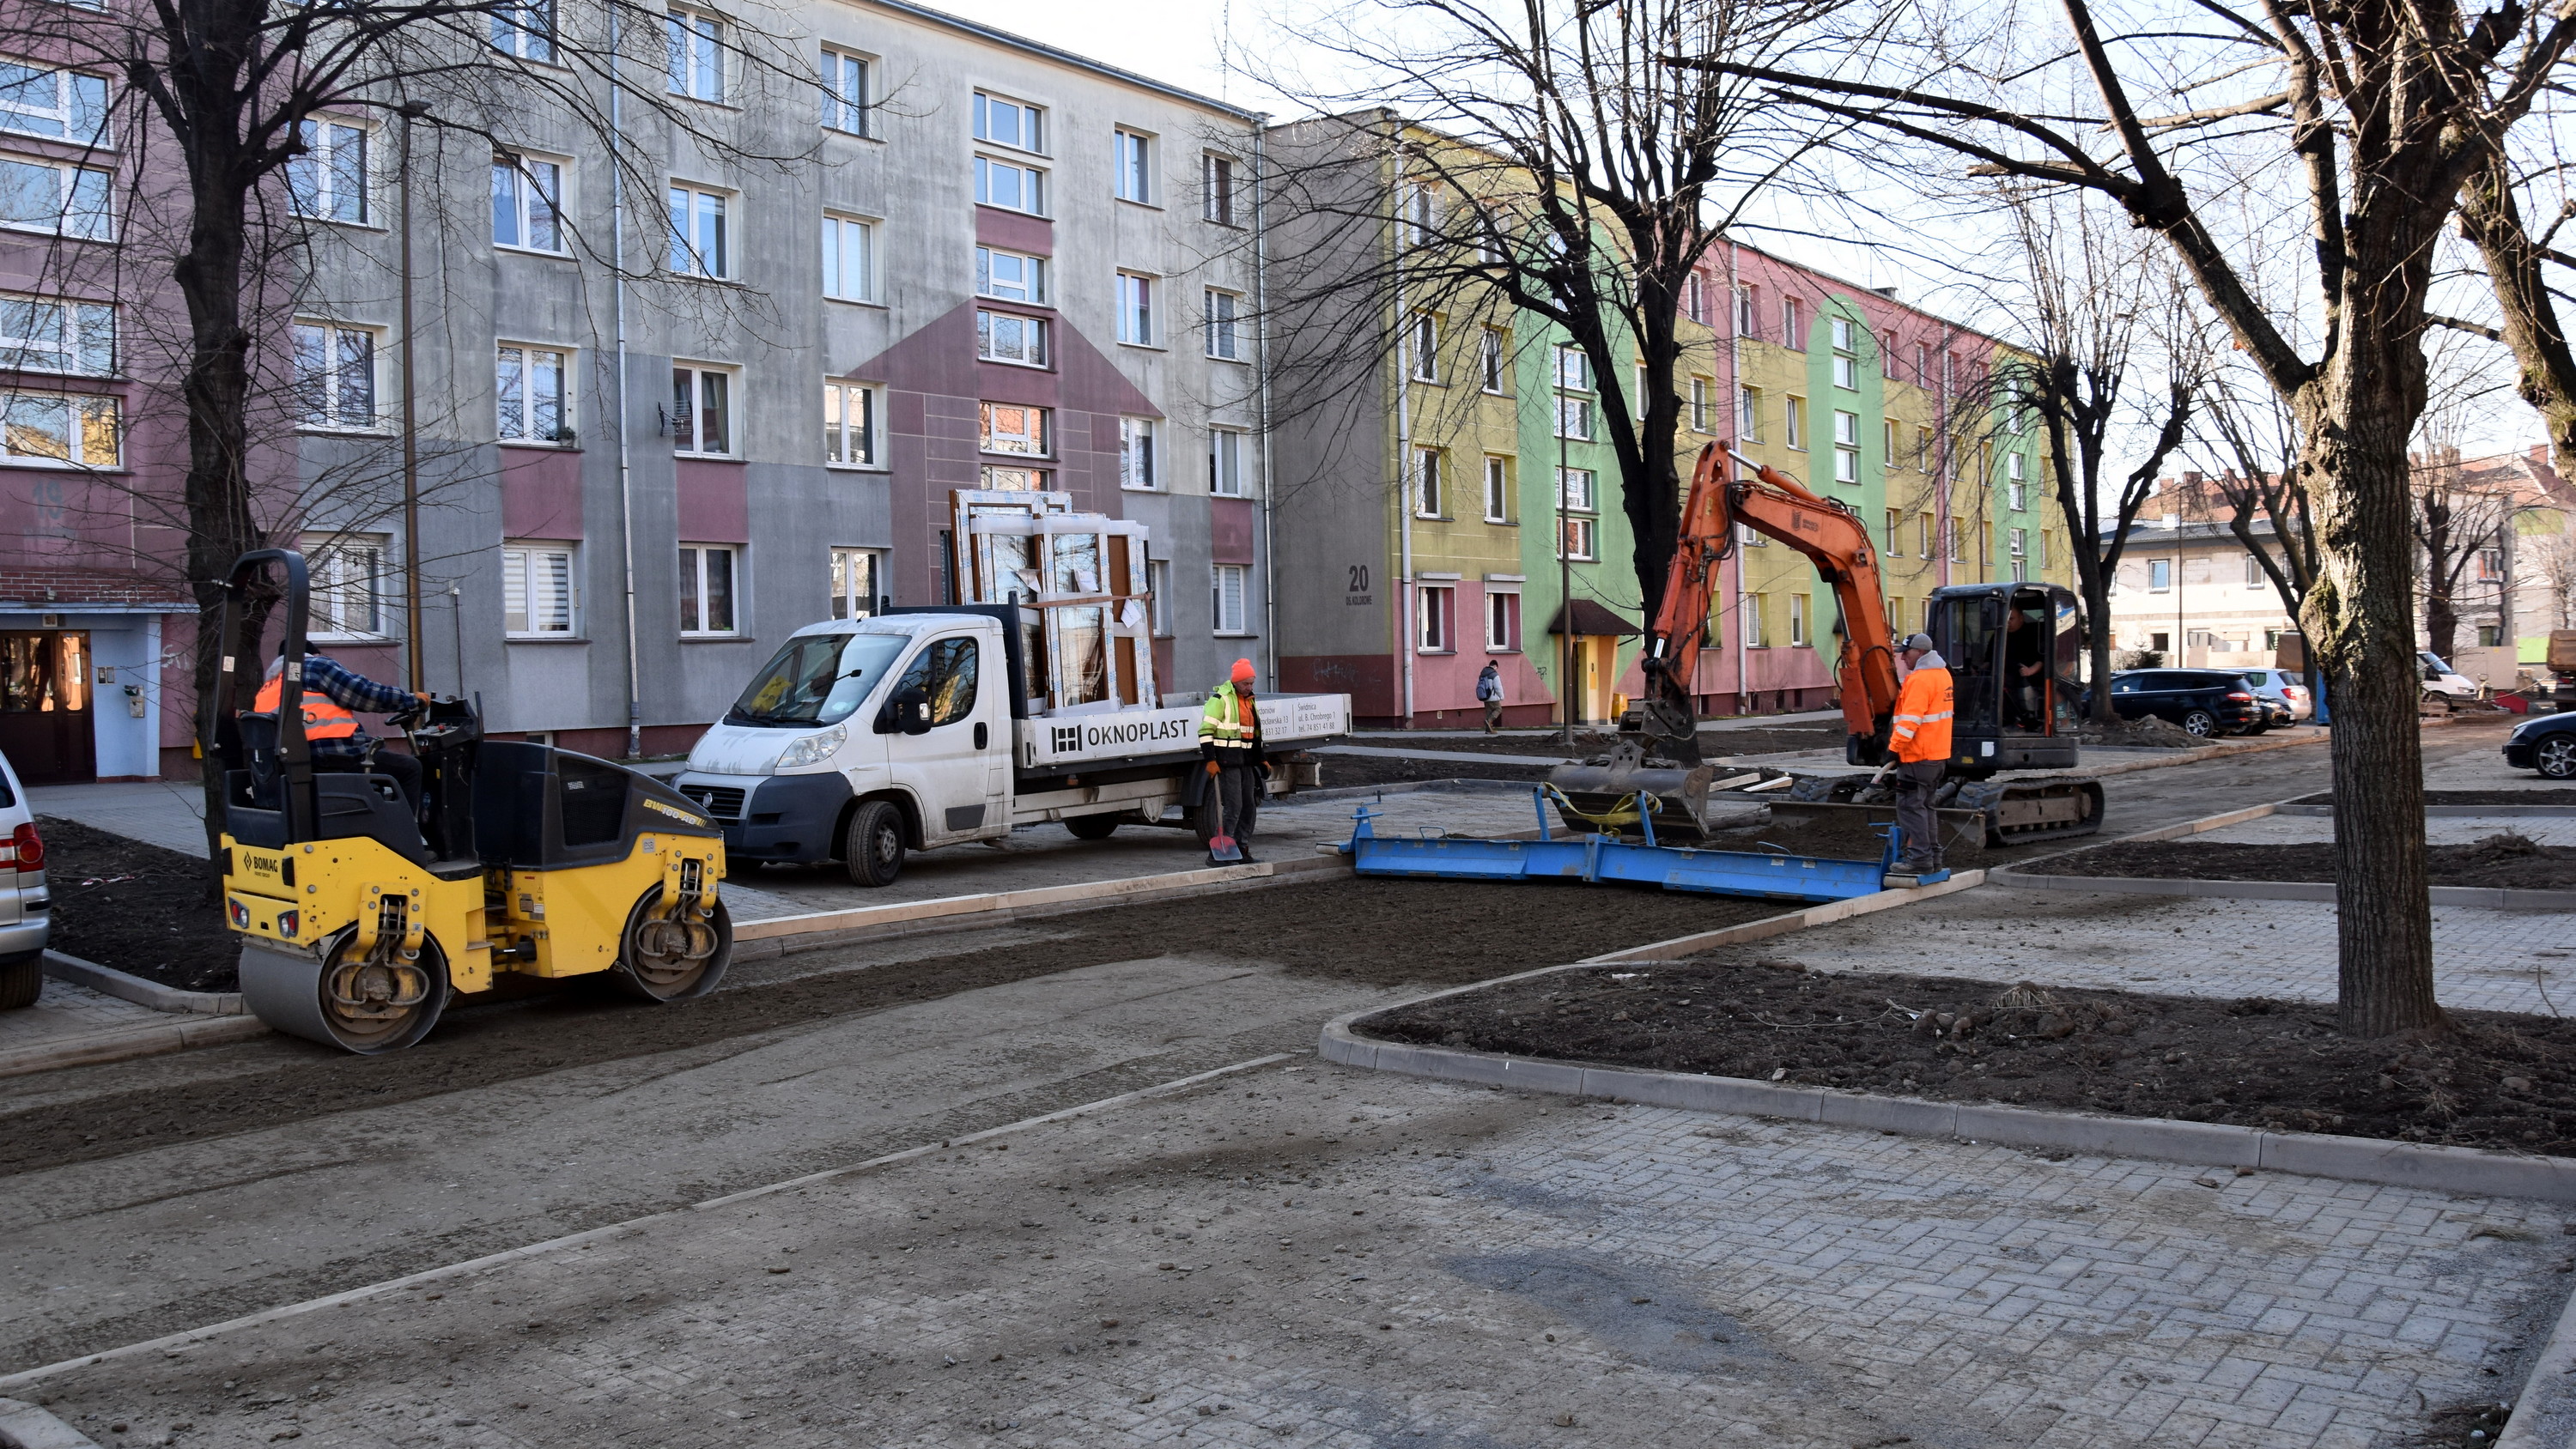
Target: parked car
(2544,742)
(2205,702)
(26,914)
(2282,685)
(2441,680)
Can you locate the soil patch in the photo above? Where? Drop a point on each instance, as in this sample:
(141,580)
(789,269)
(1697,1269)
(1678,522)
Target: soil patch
(1347,771)
(1369,932)
(2149,733)
(137,908)
(2507,860)
(2468,797)
(2501,1081)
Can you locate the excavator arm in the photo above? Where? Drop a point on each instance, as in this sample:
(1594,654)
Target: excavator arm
(1836,541)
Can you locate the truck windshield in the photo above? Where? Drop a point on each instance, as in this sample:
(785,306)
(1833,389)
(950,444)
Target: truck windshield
(817,679)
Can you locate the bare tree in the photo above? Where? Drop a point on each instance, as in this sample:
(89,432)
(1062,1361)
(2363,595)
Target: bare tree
(2250,443)
(2458,516)
(2094,301)
(2374,114)
(1538,160)
(235,177)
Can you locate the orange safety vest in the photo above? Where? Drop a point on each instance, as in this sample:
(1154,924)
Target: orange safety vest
(1923,709)
(324,719)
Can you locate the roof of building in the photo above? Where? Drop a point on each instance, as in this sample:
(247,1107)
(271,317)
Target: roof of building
(1592,620)
(981,31)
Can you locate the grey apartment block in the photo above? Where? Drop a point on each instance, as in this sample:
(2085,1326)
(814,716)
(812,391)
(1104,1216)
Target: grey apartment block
(526,541)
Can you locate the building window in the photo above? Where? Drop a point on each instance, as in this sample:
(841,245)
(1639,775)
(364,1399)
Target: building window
(1489,361)
(1577,490)
(1010,276)
(525,29)
(2254,572)
(1582,540)
(2017,541)
(1846,341)
(1793,323)
(1498,490)
(1436,612)
(347,577)
(1794,424)
(1846,447)
(1135,309)
(849,259)
(1226,586)
(1017,480)
(53,334)
(1574,417)
(701,418)
(59,429)
(1958,541)
(709,577)
(1216,188)
(2016,490)
(850,425)
(1894,546)
(63,104)
(1012,428)
(1421,214)
(1748,313)
(1925,526)
(1426,482)
(1005,122)
(335,376)
(1009,337)
(845,91)
(537,599)
(1887,353)
(1699,406)
(1923,450)
(1136,463)
(1225,462)
(1134,154)
(1695,297)
(1573,369)
(1887,443)
(1010,185)
(1922,364)
(1502,622)
(1797,620)
(1748,414)
(329,180)
(695,42)
(1223,330)
(527,203)
(1158,596)
(855,591)
(1754,637)
(532,385)
(1425,346)
(2159,575)
(700,245)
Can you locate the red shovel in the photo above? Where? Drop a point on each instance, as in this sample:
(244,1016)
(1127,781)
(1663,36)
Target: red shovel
(1221,846)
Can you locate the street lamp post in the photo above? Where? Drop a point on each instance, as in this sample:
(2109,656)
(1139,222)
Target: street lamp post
(411,111)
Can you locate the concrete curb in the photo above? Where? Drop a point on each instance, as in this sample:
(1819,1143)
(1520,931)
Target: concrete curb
(2489,897)
(2456,1170)
(2544,1413)
(24,1426)
(2454,812)
(108,981)
(151,1039)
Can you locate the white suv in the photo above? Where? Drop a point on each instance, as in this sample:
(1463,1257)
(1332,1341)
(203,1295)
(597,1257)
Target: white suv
(26,907)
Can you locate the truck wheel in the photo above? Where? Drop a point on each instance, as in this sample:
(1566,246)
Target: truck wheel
(2200,723)
(22,981)
(1092,827)
(873,849)
(2556,757)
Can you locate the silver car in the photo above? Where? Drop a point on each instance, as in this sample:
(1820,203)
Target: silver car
(26,907)
(2290,689)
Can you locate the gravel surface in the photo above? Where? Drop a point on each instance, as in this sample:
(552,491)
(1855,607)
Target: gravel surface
(2498,1082)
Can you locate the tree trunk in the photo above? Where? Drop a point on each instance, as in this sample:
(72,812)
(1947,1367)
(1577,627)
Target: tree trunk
(2097,647)
(2356,418)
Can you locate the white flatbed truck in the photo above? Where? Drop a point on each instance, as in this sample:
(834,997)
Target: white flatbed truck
(912,729)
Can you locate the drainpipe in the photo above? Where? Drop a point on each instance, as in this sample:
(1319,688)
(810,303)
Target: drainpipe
(1949,525)
(625,463)
(1735,369)
(1261,362)
(1403,450)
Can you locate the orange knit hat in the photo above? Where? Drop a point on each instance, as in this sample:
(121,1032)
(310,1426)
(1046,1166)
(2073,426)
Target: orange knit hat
(1243,671)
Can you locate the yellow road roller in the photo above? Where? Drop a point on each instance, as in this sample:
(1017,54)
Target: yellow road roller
(363,918)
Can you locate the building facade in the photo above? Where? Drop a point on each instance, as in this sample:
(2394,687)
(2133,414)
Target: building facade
(661,426)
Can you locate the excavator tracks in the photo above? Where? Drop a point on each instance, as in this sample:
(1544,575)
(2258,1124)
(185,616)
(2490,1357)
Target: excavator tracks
(1988,813)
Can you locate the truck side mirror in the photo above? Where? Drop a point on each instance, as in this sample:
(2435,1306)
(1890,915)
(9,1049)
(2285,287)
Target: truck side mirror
(908,712)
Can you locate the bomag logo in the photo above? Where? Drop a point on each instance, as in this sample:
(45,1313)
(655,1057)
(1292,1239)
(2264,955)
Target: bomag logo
(260,864)
(675,813)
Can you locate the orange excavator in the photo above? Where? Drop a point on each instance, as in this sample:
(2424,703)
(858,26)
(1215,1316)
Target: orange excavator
(2012,649)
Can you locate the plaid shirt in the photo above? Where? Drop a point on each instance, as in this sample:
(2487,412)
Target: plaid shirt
(354,692)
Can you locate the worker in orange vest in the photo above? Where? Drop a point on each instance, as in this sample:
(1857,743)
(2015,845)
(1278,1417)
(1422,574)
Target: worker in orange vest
(1919,737)
(332,734)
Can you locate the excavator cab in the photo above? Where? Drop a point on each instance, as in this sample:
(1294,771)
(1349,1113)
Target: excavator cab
(361,917)
(2013,651)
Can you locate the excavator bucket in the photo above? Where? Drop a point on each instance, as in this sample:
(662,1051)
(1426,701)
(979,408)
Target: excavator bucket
(1618,797)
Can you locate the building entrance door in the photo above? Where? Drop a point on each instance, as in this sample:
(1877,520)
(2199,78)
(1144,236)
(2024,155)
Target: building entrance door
(45,700)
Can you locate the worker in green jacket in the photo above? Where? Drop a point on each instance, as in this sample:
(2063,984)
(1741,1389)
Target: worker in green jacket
(1230,743)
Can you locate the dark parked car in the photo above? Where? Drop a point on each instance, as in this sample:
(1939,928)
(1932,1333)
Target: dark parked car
(2546,743)
(2205,702)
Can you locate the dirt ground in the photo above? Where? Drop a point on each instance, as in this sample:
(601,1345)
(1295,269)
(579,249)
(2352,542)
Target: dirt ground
(2499,1082)
(1749,740)
(135,907)
(2509,861)
(1344,771)
(1387,932)
(2469,797)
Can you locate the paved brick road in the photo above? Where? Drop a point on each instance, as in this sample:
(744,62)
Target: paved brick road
(1317,1257)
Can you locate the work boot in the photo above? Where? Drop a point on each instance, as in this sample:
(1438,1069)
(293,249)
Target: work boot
(1915,865)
